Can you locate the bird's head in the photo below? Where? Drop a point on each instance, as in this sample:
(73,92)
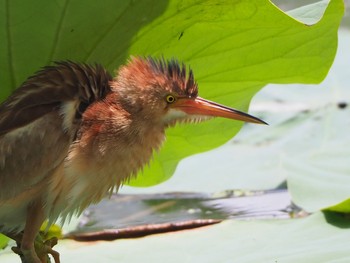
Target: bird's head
(164,92)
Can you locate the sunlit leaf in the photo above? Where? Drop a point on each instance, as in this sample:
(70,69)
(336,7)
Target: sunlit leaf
(246,45)
(3,241)
(307,145)
(234,48)
(53,231)
(343,207)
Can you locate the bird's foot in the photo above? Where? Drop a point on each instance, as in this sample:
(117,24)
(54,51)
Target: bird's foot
(26,255)
(41,252)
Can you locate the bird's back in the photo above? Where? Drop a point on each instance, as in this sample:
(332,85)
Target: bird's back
(38,123)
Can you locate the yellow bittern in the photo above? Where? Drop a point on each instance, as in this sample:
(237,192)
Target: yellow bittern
(71,133)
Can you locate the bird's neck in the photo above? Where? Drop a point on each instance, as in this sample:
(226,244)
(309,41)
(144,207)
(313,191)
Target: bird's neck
(116,147)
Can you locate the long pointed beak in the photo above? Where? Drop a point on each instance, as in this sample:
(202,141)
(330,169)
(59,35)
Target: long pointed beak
(200,106)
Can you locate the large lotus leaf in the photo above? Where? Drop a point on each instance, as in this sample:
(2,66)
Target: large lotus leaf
(318,176)
(307,144)
(234,48)
(248,45)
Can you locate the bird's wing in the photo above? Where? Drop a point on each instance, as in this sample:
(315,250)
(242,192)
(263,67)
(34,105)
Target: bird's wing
(49,88)
(33,139)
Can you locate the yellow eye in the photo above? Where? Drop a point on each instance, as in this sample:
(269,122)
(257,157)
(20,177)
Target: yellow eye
(170,99)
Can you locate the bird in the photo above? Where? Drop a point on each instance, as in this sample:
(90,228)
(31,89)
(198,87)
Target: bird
(72,133)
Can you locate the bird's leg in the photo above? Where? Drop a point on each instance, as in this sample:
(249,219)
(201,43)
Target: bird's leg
(35,218)
(41,247)
(16,237)
(33,248)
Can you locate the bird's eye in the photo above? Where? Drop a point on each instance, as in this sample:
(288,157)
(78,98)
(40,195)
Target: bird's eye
(170,99)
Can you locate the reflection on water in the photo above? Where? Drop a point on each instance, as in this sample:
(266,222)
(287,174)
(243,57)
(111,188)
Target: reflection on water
(125,211)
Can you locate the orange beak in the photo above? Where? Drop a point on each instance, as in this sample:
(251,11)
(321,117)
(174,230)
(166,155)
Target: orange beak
(199,106)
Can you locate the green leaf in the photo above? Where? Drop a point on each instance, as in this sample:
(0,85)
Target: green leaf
(246,46)
(234,48)
(53,231)
(3,241)
(307,144)
(342,207)
(36,33)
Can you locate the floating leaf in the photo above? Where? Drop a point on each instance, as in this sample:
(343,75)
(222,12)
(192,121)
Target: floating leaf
(311,239)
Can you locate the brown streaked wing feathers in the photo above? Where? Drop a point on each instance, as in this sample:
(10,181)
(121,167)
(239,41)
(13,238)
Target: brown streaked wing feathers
(48,88)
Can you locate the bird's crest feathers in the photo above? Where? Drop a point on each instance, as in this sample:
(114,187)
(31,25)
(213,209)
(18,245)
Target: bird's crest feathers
(160,70)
